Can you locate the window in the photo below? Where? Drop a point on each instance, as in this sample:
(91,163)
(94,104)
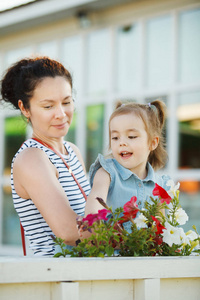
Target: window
(188,115)
(15,131)
(95,121)
(189,46)
(72,60)
(189,200)
(48,49)
(14,55)
(128,48)
(71,135)
(98,62)
(159,52)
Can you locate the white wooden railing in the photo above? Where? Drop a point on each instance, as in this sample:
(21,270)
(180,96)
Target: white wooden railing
(115,278)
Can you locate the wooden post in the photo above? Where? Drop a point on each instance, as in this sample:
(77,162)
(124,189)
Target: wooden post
(147,289)
(65,291)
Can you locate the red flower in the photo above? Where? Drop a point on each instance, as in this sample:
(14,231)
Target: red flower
(91,218)
(158,240)
(159,226)
(159,191)
(131,205)
(130,210)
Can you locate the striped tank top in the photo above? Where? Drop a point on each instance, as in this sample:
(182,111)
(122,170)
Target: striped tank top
(36,229)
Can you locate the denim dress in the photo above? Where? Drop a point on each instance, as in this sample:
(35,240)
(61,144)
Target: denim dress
(125,184)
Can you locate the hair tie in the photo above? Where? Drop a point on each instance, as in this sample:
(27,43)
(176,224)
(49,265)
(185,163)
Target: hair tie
(152,106)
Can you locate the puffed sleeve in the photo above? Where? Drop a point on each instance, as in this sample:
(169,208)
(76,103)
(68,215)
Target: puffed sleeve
(165,179)
(106,164)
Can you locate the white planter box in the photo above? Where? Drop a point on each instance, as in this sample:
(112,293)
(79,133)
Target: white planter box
(117,278)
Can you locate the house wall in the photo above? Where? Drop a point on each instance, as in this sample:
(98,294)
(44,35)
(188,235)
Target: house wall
(104,71)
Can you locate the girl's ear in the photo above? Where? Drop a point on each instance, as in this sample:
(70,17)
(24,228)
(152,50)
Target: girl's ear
(24,111)
(154,143)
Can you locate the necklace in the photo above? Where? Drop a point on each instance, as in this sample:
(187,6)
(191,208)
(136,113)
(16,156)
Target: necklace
(68,167)
(56,152)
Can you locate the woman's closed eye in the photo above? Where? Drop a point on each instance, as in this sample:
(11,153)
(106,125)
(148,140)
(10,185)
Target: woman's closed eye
(114,138)
(66,102)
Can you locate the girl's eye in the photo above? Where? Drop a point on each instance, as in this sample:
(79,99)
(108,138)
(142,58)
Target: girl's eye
(66,103)
(48,107)
(132,137)
(114,138)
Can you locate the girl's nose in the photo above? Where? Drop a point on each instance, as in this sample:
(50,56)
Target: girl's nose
(123,143)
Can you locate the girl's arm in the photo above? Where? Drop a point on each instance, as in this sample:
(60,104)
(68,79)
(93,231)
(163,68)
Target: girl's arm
(36,178)
(99,189)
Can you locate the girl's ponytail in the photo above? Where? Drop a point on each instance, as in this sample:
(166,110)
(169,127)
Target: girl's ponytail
(158,157)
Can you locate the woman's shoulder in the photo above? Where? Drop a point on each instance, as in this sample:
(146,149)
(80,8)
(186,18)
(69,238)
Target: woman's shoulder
(28,157)
(72,147)
(27,149)
(74,151)
(32,163)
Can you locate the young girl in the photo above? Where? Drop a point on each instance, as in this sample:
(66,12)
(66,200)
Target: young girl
(136,143)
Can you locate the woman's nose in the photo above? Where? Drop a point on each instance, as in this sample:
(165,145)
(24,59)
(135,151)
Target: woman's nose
(60,112)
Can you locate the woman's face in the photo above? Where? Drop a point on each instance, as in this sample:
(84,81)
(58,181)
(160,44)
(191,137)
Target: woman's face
(51,108)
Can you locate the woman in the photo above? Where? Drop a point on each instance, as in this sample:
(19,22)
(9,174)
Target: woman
(46,196)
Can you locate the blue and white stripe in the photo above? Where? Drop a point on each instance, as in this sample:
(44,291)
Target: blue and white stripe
(36,229)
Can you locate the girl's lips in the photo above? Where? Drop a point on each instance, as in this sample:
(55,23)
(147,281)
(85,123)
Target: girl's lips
(126,154)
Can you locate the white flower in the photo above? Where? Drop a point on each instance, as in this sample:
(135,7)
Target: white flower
(140,221)
(181,216)
(172,235)
(173,188)
(183,237)
(191,235)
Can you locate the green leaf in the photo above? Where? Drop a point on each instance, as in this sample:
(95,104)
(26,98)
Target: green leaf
(109,250)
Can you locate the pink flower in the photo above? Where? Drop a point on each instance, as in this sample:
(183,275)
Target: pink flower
(101,215)
(159,191)
(131,205)
(130,210)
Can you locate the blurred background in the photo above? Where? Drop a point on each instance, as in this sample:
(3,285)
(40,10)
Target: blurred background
(137,50)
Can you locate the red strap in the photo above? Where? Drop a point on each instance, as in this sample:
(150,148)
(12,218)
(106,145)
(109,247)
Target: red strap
(23,239)
(70,171)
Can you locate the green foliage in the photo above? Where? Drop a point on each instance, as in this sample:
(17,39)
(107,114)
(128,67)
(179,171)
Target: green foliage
(155,233)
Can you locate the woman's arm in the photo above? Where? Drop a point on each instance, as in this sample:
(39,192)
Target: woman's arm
(99,189)
(35,177)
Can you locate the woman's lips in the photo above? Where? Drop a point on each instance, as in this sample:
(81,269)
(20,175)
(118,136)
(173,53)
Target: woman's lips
(60,126)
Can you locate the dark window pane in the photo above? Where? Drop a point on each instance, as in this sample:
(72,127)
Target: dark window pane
(95,124)
(71,135)
(189,130)
(11,224)
(15,134)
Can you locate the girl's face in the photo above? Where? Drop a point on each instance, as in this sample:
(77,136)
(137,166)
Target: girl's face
(129,143)
(51,108)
